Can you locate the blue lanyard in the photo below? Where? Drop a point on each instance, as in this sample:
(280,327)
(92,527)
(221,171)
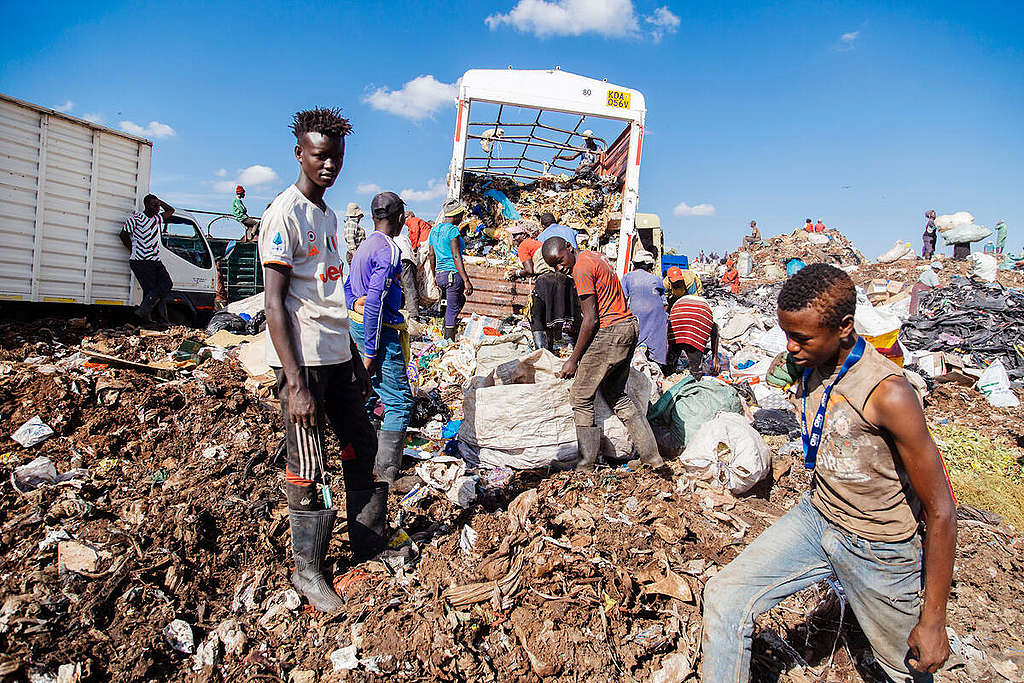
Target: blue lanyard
(813,439)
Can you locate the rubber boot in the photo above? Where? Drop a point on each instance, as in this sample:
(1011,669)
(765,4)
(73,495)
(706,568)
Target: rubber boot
(449,332)
(643,440)
(390,446)
(588,439)
(311,534)
(367,520)
(540,340)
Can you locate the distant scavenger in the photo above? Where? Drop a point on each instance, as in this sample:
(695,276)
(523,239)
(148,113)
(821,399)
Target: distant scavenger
(446,246)
(252,225)
(354,233)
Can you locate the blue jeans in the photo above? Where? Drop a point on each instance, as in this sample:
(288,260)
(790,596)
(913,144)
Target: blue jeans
(882,582)
(454,289)
(390,380)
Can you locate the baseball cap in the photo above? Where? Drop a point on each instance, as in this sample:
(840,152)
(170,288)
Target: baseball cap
(675,274)
(386,204)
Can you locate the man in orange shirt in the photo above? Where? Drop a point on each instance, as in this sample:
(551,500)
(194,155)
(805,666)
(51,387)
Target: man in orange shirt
(419,229)
(819,226)
(731,277)
(600,360)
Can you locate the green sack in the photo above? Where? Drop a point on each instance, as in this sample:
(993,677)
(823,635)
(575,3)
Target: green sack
(691,403)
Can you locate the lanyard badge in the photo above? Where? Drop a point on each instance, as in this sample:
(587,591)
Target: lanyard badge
(812,439)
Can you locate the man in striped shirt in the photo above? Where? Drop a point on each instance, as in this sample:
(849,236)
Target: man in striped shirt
(143,231)
(690,327)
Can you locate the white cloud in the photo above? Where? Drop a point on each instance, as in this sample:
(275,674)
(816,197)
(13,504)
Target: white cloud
(66,107)
(368,188)
(221,172)
(544,18)
(436,189)
(848,41)
(155,129)
(663,21)
(684,209)
(254,176)
(93,118)
(418,99)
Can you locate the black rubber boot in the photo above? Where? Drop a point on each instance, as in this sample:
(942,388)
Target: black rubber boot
(390,446)
(642,436)
(367,520)
(540,340)
(588,439)
(449,333)
(311,534)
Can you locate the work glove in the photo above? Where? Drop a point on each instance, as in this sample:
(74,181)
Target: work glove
(784,371)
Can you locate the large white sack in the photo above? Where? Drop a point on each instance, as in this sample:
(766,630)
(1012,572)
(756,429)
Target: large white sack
(951,220)
(818,238)
(730,450)
(966,233)
(985,266)
(896,252)
(873,321)
(994,384)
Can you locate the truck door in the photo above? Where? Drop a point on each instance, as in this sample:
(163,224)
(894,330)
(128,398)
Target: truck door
(187,257)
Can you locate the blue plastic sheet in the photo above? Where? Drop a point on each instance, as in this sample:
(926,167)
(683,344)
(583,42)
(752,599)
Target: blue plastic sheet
(508,209)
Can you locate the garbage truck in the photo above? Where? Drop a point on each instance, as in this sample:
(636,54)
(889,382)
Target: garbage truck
(66,186)
(553,138)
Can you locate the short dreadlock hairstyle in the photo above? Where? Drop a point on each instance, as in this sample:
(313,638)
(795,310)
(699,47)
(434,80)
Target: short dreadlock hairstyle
(323,120)
(828,289)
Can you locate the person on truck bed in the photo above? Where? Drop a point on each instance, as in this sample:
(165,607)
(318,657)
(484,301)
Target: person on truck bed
(141,234)
(602,354)
(877,478)
(589,155)
(320,381)
(374,293)
(446,248)
(252,225)
(553,229)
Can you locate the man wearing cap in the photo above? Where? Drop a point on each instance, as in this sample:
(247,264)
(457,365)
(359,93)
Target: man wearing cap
(374,295)
(645,293)
(354,233)
(680,282)
(553,229)
(252,225)
(602,354)
(446,247)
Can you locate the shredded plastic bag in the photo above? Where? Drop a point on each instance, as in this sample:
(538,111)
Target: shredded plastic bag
(226,320)
(32,433)
(995,385)
(730,450)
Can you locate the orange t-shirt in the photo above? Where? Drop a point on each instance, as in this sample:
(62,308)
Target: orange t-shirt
(592,274)
(527,248)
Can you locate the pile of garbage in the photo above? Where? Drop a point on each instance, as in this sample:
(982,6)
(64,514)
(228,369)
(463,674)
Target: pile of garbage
(772,258)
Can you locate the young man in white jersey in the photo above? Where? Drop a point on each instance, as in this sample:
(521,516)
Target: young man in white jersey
(312,354)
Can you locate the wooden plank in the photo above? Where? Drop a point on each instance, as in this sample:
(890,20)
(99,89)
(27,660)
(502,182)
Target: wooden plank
(115,361)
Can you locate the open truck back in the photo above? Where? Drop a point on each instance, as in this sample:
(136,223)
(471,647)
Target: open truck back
(518,126)
(66,186)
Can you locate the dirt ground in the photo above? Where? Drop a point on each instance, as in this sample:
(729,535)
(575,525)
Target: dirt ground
(570,576)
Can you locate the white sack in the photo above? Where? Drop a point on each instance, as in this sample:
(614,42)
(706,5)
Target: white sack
(896,252)
(730,450)
(949,221)
(995,385)
(985,266)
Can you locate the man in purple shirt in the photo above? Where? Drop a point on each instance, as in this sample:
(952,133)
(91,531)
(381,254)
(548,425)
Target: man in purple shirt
(373,293)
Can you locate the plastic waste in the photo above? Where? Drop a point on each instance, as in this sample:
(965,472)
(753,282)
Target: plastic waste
(179,635)
(994,384)
(775,421)
(794,266)
(948,221)
(687,405)
(226,320)
(966,233)
(985,266)
(32,433)
(37,473)
(729,449)
(508,209)
(896,252)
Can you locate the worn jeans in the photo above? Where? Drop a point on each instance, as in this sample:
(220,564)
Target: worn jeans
(390,380)
(155,282)
(882,582)
(454,290)
(604,367)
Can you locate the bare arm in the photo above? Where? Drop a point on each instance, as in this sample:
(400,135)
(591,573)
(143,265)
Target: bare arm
(716,363)
(168,210)
(588,328)
(528,266)
(894,407)
(276,278)
(460,265)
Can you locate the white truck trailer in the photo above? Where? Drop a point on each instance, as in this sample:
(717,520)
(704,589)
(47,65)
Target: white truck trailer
(520,124)
(66,186)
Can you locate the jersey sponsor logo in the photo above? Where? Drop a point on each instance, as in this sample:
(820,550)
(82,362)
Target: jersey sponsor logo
(277,239)
(331,274)
(313,251)
(311,235)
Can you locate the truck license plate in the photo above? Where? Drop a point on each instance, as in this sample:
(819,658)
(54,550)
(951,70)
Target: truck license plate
(618,99)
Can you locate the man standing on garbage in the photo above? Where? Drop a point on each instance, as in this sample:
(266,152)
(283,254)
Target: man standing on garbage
(446,247)
(374,293)
(928,238)
(877,477)
(645,294)
(601,358)
(354,233)
(320,380)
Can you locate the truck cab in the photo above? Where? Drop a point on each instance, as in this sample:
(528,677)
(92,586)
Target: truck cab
(186,254)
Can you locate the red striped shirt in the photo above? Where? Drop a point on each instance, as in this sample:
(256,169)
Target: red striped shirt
(690,322)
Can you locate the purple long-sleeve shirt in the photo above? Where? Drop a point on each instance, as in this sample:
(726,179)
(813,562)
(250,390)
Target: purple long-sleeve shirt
(375,273)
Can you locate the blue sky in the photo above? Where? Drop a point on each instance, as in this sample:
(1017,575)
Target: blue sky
(863,114)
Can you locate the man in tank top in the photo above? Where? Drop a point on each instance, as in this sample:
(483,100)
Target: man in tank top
(876,469)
